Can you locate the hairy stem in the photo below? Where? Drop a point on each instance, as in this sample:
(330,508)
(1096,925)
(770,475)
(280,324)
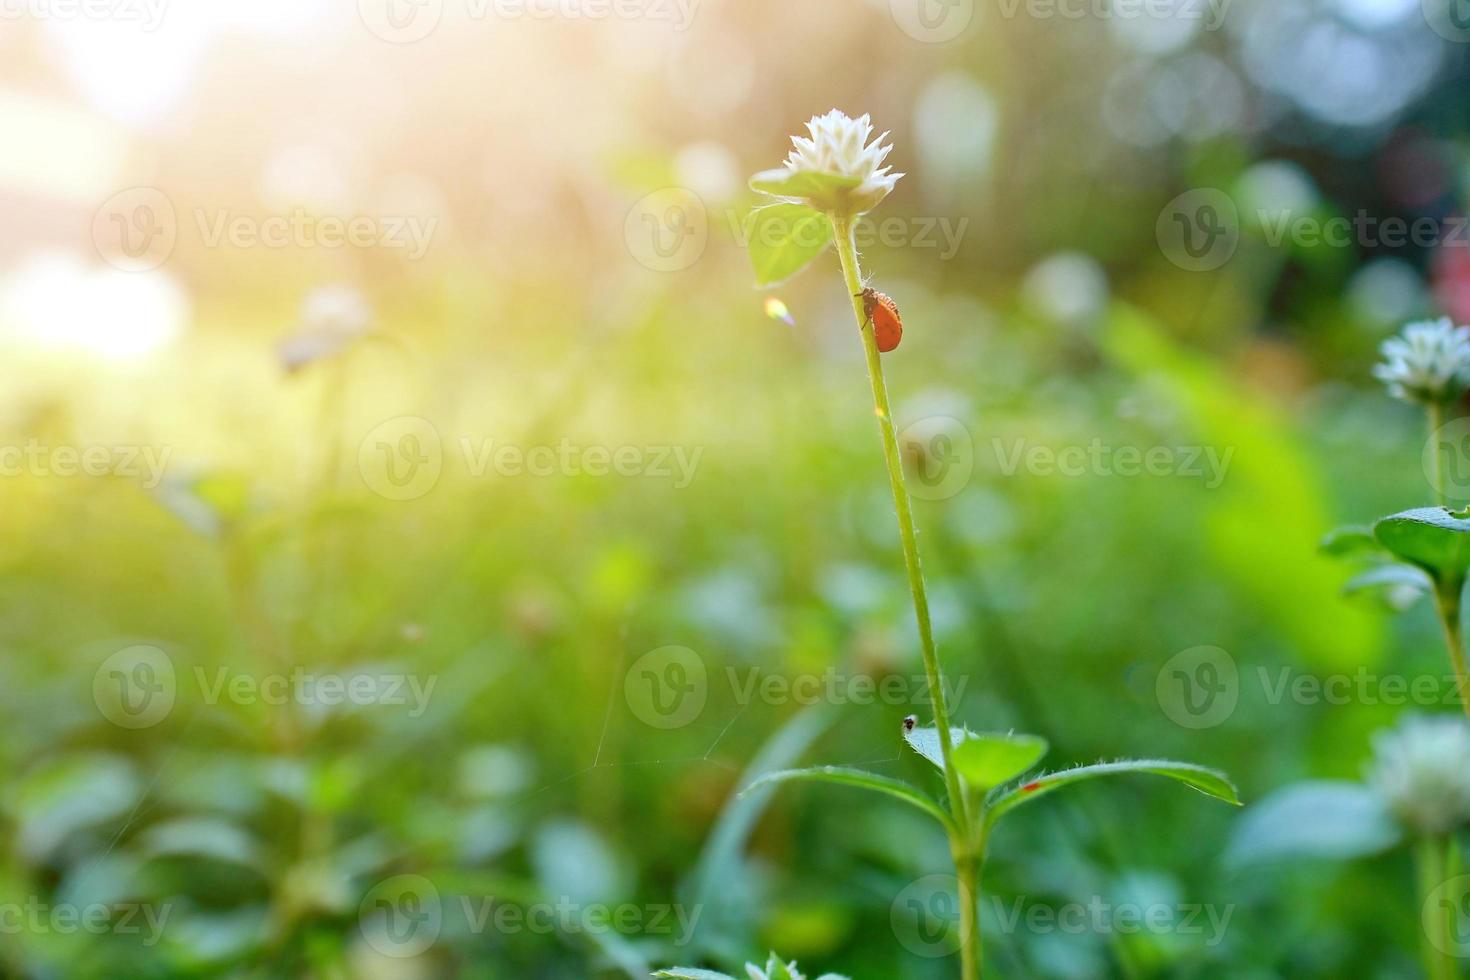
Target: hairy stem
(966,859)
(1436,451)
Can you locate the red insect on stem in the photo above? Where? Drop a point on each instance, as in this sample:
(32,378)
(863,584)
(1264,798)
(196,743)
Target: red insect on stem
(882,312)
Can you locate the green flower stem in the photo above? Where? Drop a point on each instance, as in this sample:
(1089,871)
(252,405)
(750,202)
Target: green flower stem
(1447,602)
(1431,863)
(1436,451)
(965,851)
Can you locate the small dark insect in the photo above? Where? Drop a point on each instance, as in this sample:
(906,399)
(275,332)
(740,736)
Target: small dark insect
(883,313)
(910,722)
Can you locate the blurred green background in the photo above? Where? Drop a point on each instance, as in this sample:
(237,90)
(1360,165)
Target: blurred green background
(578,181)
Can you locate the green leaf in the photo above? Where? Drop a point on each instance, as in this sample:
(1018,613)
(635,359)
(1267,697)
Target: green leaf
(1396,586)
(863,780)
(989,760)
(1432,538)
(689,973)
(925,741)
(1208,781)
(783,238)
(801,184)
(1353,541)
(1320,819)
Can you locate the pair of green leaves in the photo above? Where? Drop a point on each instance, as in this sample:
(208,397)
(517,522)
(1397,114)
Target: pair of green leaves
(991,766)
(775,970)
(785,237)
(1406,555)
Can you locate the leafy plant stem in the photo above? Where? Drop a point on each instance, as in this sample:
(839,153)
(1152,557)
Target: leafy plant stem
(1447,603)
(966,858)
(1430,858)
(1436,472)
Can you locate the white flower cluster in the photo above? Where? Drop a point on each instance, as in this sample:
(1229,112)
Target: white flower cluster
(1428,362)
(1422,771)
(841,146)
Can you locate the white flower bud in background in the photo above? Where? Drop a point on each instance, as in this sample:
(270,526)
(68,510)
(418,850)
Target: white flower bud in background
(1422,771)
(332,317)
(1429,362)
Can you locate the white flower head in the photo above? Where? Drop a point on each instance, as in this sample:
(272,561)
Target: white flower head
(1428,362)
(332,317)
(1422,771)
(841,147)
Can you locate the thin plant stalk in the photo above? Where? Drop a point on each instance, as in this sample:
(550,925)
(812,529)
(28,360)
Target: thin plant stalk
(1436,450)
(1430,859)
(965,851)
(1448,605)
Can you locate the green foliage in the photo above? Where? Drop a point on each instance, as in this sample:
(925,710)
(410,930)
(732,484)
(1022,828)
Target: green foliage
(1432,538)
(775,969)
(784,238)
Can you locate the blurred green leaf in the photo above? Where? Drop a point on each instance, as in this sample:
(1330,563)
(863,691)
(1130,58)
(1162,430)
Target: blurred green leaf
(1351,541)
(784,238)
(1208,781)
(57,800)
(1321,819)
(202,837)
(1396,586)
